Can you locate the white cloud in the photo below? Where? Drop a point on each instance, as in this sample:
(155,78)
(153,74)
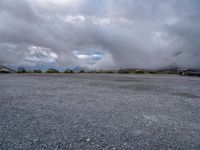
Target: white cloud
(171,20)
(129,33)
(74,19)
(54,2)
(101,21)
(41,54)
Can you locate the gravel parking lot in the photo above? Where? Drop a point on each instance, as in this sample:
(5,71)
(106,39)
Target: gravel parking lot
(93,111)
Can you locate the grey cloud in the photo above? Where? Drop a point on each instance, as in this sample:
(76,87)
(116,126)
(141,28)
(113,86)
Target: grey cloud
(129,33)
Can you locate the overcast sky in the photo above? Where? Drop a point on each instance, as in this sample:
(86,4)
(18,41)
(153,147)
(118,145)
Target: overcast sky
(100,33)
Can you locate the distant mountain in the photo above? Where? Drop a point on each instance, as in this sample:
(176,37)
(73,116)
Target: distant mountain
(4,69)
(76,69)
(44,68)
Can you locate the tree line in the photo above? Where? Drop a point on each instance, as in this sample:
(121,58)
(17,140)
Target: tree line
(50,70)
(53,70)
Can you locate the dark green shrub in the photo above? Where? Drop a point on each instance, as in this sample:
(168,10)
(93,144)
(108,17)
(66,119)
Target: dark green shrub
(123,71)
(37,71)
(4,71)
(68,71)
(104,72)
(109,71)
(21,70)
(99,71)
(153,72)
(81,71)
(52,70)
(139,72)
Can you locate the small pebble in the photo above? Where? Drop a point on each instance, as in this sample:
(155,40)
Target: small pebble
(88,140)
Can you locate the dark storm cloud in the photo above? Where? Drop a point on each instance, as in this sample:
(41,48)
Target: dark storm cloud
(128,33)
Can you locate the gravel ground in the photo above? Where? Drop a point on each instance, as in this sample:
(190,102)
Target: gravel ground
(95,112)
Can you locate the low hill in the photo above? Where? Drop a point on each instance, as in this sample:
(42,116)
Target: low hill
(4,69)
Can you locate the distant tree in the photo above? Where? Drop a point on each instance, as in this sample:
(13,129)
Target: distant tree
(92,71)
(68,71)
(4,71)
(52,70)
(108,71)
(139,72)
(21,70)
(153,72)
(123,71)
(81,71)
(37,71)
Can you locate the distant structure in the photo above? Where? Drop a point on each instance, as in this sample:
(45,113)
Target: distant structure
(4,69)
(189,72)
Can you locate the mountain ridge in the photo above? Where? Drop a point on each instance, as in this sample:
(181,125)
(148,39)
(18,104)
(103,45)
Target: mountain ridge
(4,69)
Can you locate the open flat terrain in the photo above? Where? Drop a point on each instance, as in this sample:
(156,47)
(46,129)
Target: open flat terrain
(88,111)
